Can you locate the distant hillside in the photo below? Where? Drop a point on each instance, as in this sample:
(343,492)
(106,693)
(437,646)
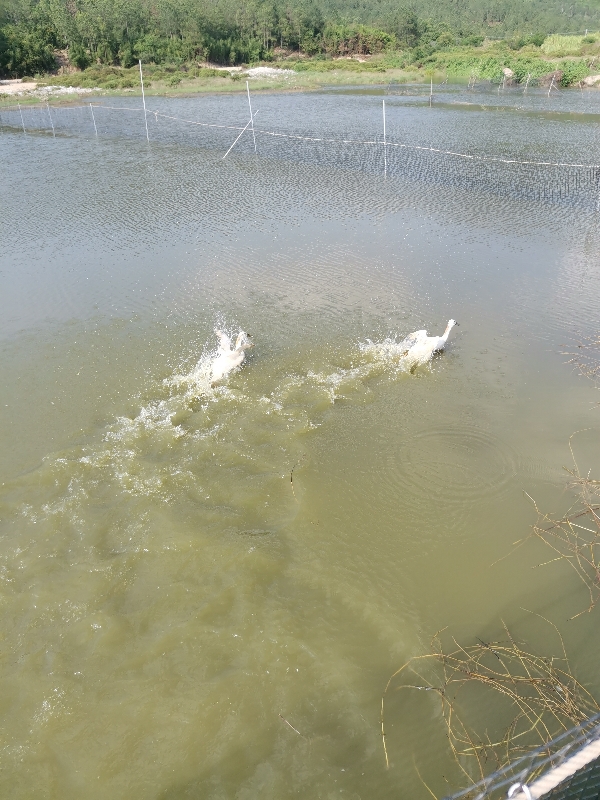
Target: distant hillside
(118,32)
(494,18)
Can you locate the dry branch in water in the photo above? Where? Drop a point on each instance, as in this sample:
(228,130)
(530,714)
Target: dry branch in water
(586,357)
(540,696)
(575,537)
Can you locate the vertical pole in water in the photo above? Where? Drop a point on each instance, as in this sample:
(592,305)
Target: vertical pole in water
(431,92)
(21,113)
(384,144)
(551,85)
(51,123)
(527,82)
(251,115)
(143,99)
(94,120)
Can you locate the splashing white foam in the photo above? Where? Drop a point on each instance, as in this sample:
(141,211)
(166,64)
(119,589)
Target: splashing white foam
(196,382)
(392,354)
(155,453)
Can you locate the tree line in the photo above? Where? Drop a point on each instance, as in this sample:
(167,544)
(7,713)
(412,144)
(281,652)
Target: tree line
(246,31)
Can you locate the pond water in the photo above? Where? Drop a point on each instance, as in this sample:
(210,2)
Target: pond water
(205,590)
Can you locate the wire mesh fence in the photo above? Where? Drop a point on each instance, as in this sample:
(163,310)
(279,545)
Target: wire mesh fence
(549,180)
(538,764)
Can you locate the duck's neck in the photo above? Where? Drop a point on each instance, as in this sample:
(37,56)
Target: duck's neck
(449,327)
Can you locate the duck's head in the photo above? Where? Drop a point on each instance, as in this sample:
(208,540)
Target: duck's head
(243,341)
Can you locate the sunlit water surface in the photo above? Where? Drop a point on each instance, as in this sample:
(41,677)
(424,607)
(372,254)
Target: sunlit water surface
(204,590)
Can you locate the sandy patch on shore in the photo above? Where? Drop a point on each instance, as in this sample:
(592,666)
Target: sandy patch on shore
(268,72)
(30,89)
(44,91)
(16,87)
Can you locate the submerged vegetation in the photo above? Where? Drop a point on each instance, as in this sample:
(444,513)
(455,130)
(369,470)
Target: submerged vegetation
(527,699)
(93,37)
(574,537)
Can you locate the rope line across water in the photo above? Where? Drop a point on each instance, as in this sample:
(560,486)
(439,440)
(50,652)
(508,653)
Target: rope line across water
(333,140)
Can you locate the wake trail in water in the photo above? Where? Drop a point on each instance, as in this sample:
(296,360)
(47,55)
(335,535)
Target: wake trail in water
(223,453)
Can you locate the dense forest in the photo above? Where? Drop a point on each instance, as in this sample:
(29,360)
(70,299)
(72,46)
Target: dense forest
(247,31)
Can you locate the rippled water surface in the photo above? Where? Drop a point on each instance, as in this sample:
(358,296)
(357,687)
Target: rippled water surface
(205,590)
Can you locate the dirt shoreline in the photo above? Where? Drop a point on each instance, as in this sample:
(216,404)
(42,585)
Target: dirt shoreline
(44,91)
(32,93)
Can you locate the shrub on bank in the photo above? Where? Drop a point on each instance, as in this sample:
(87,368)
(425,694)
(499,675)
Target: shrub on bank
(523,66)
(486,63)
(557,46)
(105,77)
(573,72)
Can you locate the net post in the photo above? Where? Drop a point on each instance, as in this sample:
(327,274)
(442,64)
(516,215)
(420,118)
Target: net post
(21,113)
(244,129)
(94,120)
(384,143)
(50,118)
(143,99)
(251,116)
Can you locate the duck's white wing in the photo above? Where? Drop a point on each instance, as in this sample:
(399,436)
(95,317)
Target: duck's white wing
(416,337)
(224,341)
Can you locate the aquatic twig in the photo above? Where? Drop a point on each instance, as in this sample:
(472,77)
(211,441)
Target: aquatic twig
(576,543)
(291,726)
(545,697)
(586,358)
(572,541)
(422,781)
(292,482)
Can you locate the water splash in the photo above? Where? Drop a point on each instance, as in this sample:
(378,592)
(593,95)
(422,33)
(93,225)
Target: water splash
(393,355)
(224,447)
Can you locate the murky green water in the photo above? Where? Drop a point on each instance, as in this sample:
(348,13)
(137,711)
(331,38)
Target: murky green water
(204,591)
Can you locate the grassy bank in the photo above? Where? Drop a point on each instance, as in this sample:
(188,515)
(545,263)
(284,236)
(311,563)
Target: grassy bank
(566,59)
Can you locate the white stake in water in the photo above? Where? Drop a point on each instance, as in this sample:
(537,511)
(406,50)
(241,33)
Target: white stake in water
(51,123)
(21,113)
(144,100)
(242,131)
(551,85)
(431,92)
(94,119)
(251,117)
(384,144)
(527,82)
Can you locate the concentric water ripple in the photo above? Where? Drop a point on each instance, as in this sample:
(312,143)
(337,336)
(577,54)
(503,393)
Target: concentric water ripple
(454,466)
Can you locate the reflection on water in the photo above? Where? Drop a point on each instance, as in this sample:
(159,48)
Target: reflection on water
(205,589)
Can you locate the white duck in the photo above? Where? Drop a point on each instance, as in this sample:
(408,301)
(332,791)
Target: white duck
(420,347)
(228,357)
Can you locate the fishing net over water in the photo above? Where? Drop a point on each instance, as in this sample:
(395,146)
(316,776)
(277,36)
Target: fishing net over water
(416,145)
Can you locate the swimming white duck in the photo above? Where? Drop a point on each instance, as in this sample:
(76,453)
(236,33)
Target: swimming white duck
(420,347)
(228,357)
